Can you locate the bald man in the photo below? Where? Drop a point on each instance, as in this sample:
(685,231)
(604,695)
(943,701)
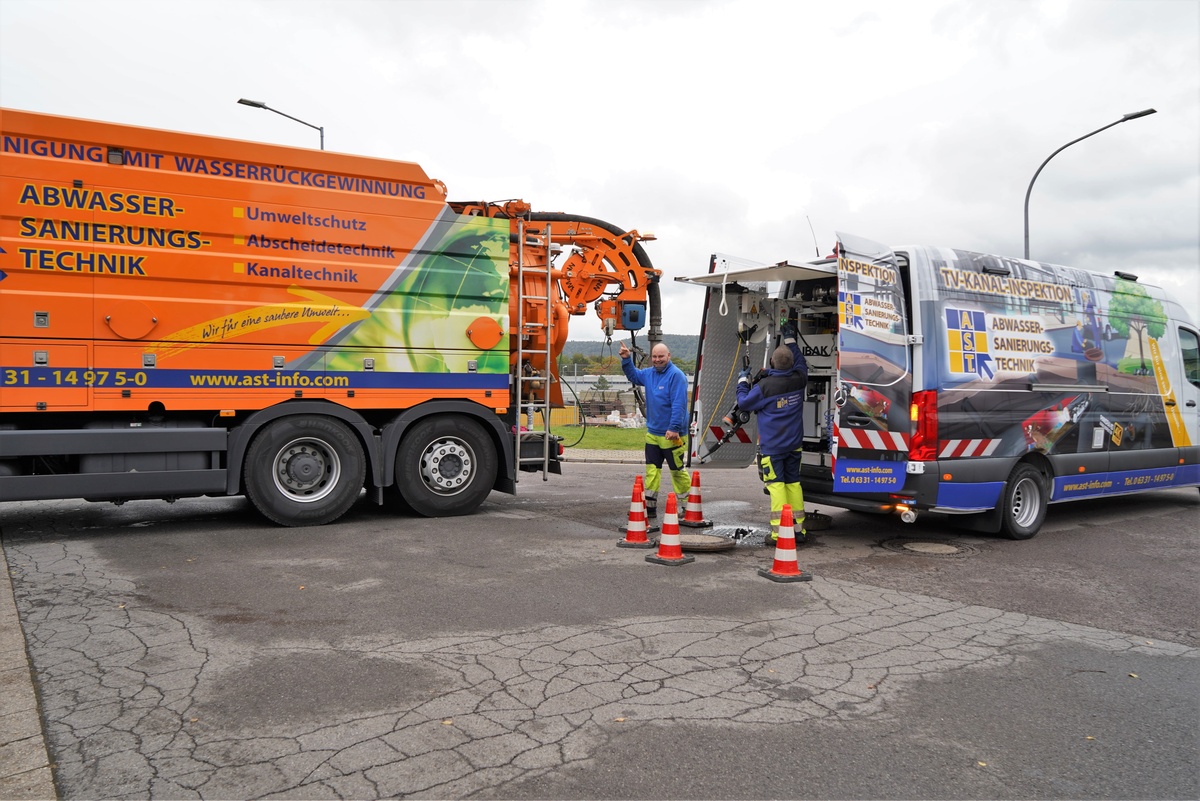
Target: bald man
(666,420)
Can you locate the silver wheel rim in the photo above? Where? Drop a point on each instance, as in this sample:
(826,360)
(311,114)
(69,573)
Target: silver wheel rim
(306,470)
(1026,499)
(447,465)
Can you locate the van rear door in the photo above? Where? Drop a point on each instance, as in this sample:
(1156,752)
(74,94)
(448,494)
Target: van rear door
(738,328)
(872,424)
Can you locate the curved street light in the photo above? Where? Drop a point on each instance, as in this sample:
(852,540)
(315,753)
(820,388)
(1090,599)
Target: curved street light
(260,104)
(1126,118)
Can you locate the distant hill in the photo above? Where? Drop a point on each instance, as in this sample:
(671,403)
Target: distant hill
(683,346)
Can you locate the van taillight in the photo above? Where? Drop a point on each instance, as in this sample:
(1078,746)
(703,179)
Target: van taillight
(923,445)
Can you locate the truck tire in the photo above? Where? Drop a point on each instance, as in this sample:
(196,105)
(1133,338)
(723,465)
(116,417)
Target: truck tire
(1025,499)
(445,466)
(306,470)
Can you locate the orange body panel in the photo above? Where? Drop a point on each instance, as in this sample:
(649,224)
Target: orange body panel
(195,261)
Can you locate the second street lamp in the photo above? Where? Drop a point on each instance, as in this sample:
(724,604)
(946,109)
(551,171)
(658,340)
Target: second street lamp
(260,104)
(1132,116)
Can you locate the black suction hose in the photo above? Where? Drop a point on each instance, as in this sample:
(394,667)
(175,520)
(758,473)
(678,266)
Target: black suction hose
(653,297)
(652,291)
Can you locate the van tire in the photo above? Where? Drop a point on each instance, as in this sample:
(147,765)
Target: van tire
(1025,499)
(446,466)
(306,470)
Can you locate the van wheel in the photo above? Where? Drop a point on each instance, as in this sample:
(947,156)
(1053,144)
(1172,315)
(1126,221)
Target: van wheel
(446,466)
(1025,498)
(306,470)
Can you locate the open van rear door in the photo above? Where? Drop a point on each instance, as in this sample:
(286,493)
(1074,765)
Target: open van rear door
(738,329)
(733,335)
(874,370)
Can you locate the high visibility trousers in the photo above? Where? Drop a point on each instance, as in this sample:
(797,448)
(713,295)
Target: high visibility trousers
(781,474)
(792,495)
(660,451)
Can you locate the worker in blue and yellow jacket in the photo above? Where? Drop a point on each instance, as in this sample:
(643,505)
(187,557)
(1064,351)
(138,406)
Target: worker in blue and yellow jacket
(666,422)
(778,399)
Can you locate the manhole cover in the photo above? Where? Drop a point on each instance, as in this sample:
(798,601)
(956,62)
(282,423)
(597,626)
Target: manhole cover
(705,542)
(934,548)
(939,549)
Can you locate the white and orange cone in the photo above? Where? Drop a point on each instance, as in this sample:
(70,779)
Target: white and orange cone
(670,552)
(693,516)
(635,529)
(785,567)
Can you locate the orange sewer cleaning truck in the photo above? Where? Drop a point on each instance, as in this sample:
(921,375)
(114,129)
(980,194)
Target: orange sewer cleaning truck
(185,315)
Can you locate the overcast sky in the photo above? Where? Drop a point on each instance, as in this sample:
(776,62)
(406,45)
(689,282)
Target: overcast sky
(720,126)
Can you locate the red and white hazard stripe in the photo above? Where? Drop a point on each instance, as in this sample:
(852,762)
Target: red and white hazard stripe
(872,440)
(951,448)
(740,435)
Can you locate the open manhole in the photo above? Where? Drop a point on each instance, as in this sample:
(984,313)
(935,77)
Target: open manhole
(937,549)
(816,521)
(723,538)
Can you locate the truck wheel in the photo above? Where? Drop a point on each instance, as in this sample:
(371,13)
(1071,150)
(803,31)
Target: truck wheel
(1025,498)
(306,470)
(446,466)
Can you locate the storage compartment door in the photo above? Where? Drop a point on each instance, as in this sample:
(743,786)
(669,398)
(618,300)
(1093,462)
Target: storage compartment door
(45,376)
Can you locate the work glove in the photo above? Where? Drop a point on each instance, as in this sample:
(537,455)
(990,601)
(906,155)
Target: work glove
(788,332)
(744,377)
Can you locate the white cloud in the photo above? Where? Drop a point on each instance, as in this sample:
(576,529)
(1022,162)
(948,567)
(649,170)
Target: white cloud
(717,125)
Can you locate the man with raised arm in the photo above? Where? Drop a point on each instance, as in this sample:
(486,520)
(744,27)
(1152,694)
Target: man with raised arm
(666,421)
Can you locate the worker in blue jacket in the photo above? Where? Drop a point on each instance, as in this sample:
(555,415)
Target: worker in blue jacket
(666,421)
(778,399)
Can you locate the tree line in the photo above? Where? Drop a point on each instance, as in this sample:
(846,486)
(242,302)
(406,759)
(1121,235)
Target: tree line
(600,358)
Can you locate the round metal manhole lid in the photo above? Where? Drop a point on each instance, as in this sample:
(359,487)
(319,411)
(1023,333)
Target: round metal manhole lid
(938,549)
(932,548)
(705,542)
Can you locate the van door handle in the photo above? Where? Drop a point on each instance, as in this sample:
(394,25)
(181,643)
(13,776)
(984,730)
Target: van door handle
(858,420)
(1190,403)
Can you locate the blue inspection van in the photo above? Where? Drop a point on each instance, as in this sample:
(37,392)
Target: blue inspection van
(957,382)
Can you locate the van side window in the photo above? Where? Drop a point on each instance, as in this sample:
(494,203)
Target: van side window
(1189,346)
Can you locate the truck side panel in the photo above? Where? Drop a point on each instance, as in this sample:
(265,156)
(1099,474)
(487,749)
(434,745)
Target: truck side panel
(151,277)
(199,274)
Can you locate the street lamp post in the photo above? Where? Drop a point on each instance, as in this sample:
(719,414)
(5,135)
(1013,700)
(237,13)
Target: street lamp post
(260,104)
(1126,118)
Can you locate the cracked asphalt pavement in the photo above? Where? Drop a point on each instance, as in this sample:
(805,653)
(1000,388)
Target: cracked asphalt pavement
(192,651)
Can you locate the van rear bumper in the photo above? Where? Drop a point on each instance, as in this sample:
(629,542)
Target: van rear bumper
(873,504)
(976,485)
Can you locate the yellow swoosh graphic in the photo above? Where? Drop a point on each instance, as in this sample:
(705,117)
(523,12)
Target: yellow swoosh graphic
(1179,432)
(318,307)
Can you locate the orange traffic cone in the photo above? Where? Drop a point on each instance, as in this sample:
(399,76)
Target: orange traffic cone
(785,567)
(693,517)
(669,550)
(635,529)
